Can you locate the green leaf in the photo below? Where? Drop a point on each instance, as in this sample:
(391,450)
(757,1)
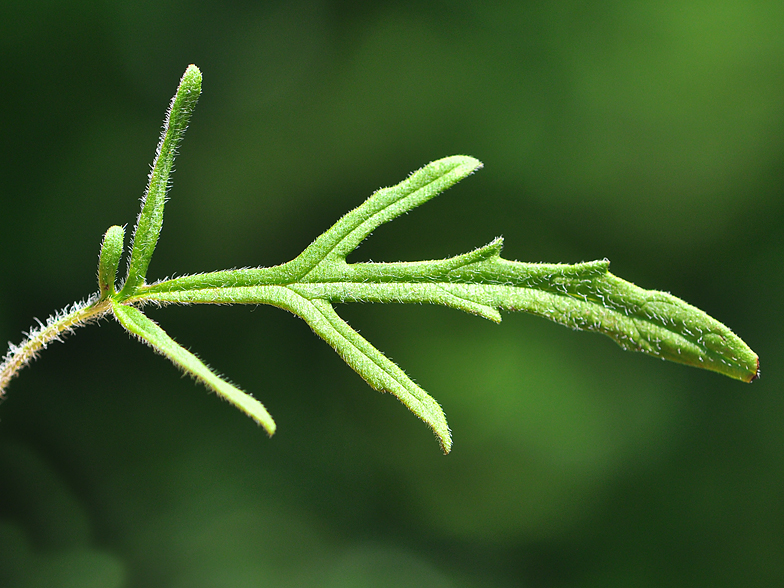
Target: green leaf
(150,221)
(136,323)
(583,296)
(109,260)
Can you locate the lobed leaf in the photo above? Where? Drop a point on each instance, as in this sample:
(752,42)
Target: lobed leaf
(583,296)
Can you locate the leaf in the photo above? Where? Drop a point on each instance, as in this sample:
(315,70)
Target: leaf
(150,221)
(583,296)
(109,260)
(136,323)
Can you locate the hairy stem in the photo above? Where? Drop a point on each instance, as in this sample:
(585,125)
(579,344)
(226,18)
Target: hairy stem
(61,323)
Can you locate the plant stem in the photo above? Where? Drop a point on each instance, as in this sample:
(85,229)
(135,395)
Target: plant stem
(56,326)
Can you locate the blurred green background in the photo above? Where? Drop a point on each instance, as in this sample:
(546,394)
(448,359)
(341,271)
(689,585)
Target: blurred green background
(651,133)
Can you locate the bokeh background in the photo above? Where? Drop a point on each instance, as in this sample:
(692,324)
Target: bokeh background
(650,133)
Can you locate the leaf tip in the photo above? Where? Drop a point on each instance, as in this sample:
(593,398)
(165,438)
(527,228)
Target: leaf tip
(446,442)
(269,426)
(467,162)
(755,375)
(192,76)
